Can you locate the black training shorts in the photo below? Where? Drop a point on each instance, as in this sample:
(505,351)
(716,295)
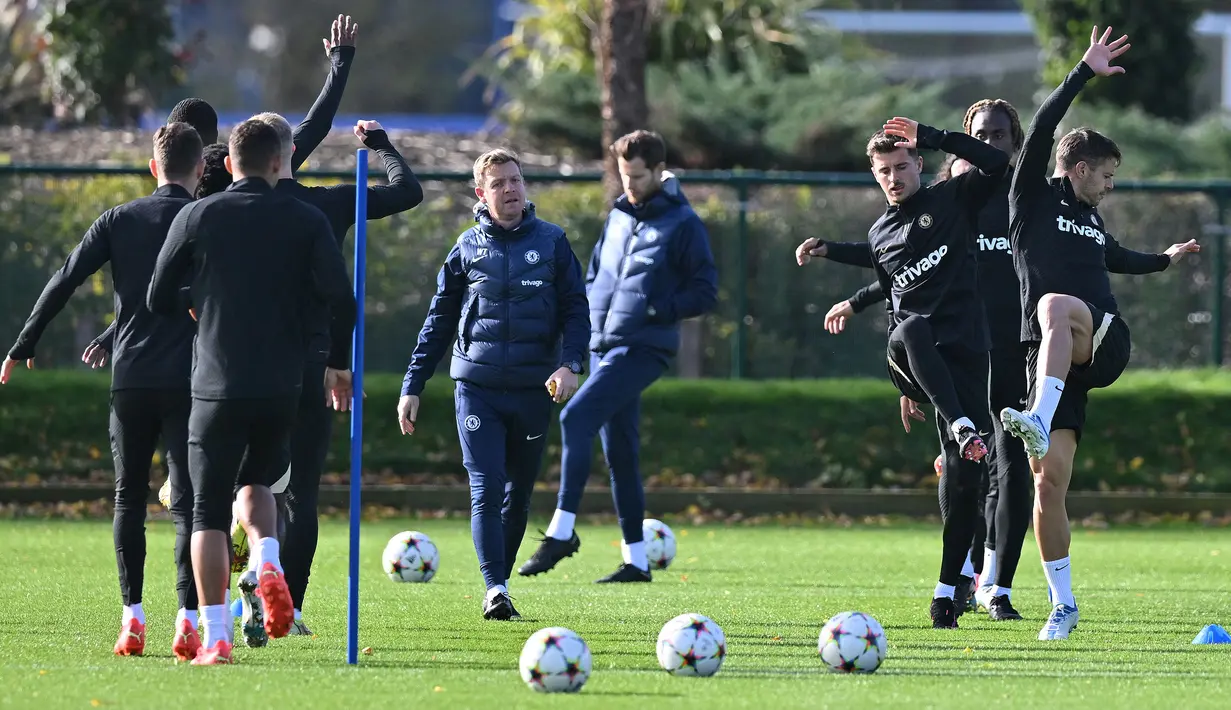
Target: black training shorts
(1110,355)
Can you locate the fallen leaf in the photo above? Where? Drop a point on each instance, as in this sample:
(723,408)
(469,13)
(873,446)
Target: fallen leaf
(95,702)
(776,638)
(968,650)
(438,689)
(693,559)
(42,672)
(683,578)
(367,651)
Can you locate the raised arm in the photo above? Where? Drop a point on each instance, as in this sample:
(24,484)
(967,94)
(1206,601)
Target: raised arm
(1031,173)
(974,187)
(1120,260)
(340,48)
(83,262)
(440,325)
(403,191)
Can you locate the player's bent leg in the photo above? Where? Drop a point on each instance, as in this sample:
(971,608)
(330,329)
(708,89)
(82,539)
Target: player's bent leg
(216,444)
(913,351)
(1051,526)
(1068,340)
(621,447)
(269,454)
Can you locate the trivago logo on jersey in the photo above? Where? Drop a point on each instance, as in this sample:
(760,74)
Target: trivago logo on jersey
(1067,225)
(994,244)
(907,276)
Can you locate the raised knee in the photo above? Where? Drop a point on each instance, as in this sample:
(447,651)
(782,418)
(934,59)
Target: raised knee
(1056,309)
(912,327)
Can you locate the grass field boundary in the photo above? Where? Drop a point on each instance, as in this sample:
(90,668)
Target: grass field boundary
(850,502)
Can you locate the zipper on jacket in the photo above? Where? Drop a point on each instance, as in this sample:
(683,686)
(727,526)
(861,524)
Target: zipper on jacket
(628,250)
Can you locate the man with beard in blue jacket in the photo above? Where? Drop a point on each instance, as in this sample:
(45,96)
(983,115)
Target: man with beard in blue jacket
(651,269)
(511,291)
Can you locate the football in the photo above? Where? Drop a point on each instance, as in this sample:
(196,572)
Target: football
(410,556)
(555,660)
(852,642)
(659,543)
(691,645)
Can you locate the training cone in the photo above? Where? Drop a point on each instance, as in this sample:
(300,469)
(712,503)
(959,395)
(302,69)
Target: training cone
(237,609)
(1212,634)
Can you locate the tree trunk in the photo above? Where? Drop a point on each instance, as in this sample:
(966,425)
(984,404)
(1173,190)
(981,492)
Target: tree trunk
(621,53)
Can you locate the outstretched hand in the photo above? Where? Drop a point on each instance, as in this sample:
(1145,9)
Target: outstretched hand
(839,313)
(341,33)
(1177,251)
(903,128)
(1100,54)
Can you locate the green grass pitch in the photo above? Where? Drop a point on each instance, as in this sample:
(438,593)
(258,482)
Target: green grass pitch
(1144,593)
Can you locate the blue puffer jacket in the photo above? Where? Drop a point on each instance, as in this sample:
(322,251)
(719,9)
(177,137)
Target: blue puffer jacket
(515,301)
(651,269)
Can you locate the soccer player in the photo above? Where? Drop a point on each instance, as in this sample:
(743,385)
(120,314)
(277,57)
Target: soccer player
(923,252)
(198,113)
(314,423)
(254,258)
(1077,339)
(512,293)
(150,375)
(651,268)
(1007,503)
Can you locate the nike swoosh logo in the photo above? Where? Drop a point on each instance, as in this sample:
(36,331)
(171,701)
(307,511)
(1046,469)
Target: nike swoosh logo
(532,438)
(1060,568)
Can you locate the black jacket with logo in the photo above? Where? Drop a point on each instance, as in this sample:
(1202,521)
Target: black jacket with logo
(997,278)
(924,248)
(1060,244)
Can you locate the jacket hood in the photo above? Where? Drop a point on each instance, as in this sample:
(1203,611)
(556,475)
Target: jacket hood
(670,197)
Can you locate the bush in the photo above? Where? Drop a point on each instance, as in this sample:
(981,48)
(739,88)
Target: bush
(1159,431)
(42,218)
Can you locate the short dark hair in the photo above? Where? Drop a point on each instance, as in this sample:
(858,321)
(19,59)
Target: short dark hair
(177,150)
(882,143)
(1015,123)
(1085,145)
(198,114)
(215,178)
(647,145)
(253,146)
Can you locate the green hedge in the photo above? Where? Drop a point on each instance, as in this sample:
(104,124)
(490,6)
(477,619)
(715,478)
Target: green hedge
(1151,431)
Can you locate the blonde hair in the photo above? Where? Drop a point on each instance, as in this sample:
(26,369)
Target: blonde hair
(281,126)
(499,156)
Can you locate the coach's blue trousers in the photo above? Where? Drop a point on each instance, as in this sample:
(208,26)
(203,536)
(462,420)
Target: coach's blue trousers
(609,403)
(503,434)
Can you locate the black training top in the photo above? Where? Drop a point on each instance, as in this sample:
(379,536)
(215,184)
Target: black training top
(997,279)
(257,260)
(923,248)
(337,202)
(150,351)
(1060,244)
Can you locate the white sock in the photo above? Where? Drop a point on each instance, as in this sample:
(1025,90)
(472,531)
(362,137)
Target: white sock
(634,555)
(989,568)
(298,615)
(217,624)
(498,589)
(1060,580)
(183,614)
(1046,398)
(943,591)
(998,590)
(561,527)
(134,612)
(963,423)
(266,550)
(968,567)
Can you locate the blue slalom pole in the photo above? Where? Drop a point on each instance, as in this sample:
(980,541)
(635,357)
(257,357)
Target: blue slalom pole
(356,418)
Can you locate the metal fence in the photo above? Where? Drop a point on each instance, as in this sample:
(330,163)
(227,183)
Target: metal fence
(769,320)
